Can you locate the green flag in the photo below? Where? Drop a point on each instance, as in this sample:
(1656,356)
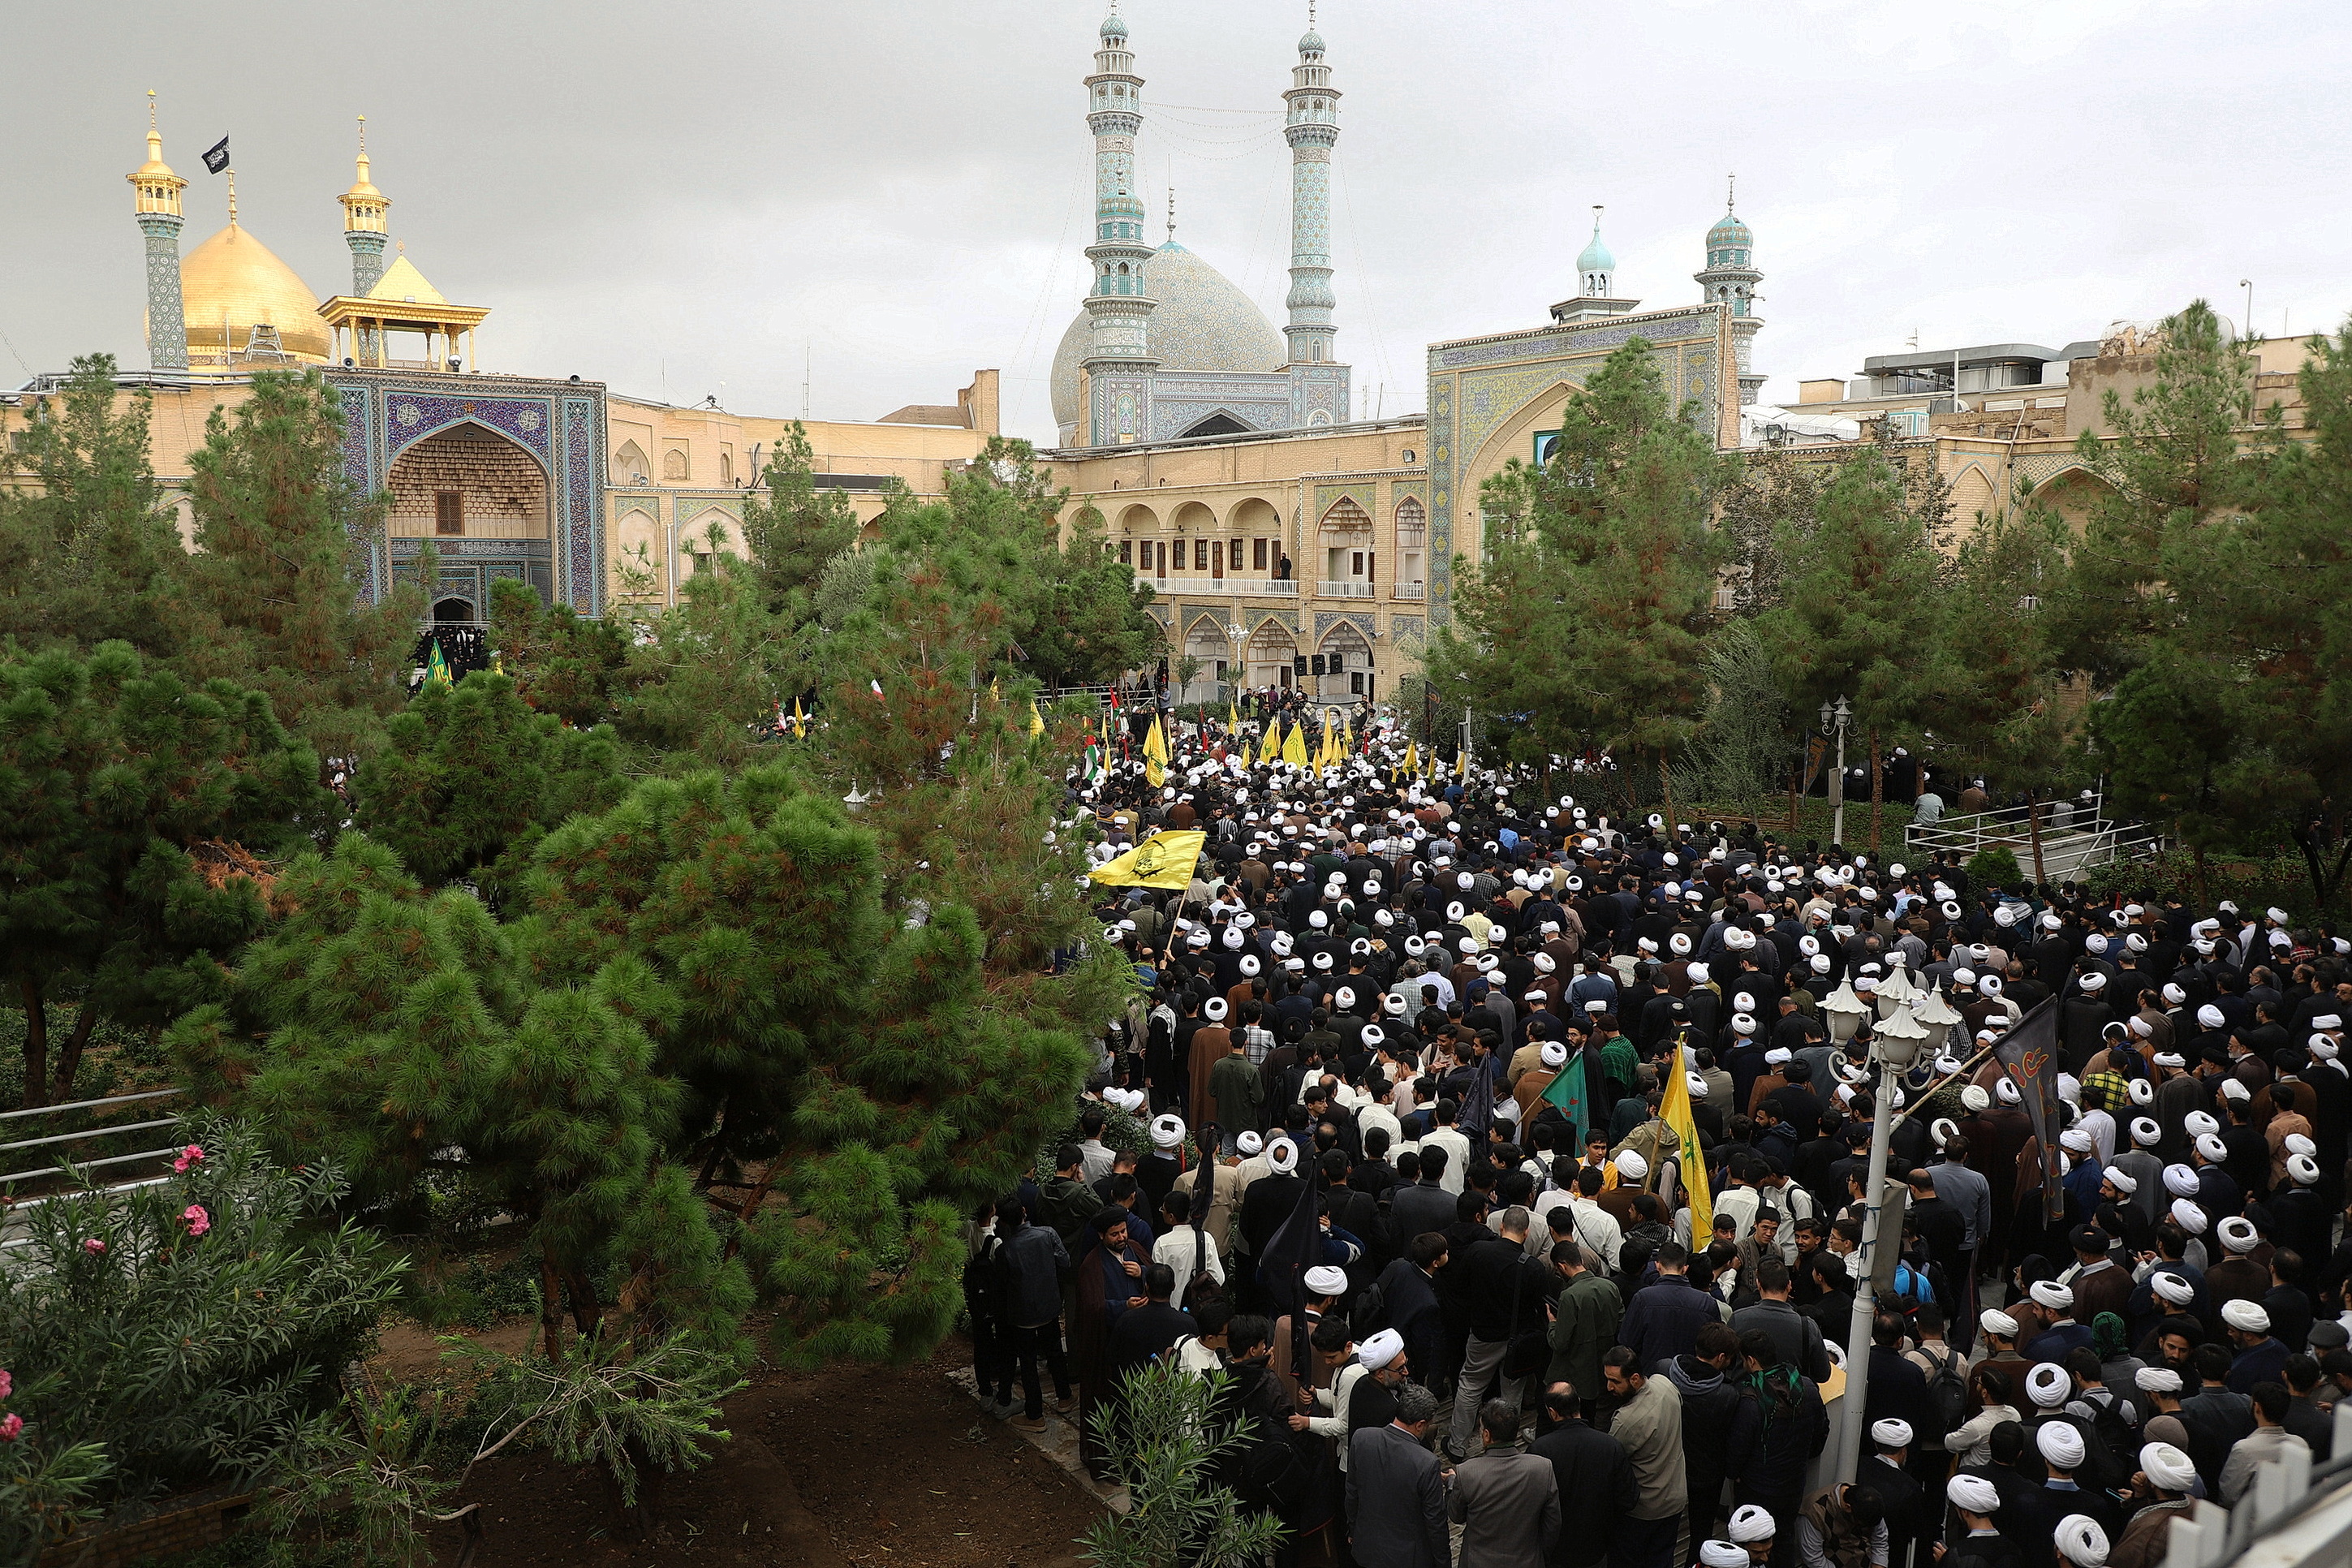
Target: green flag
(1566,1090)
(436,669)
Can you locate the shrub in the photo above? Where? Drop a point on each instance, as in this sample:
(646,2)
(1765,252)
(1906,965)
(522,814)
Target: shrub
(1994,866)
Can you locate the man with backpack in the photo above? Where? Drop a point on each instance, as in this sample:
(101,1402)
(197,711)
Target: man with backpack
(1793,1429)
(1945,1409)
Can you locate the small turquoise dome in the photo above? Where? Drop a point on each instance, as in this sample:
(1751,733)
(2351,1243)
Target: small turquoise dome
(1114,27)
(1728,231)
(1595,257)
(1312,44)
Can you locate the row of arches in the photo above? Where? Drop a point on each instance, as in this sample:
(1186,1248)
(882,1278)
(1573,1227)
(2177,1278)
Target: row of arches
(1339,665)
(1344,552)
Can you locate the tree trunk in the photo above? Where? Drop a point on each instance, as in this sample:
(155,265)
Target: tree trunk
(1877,791)
(1796,787)
(37,1045)
(551,1307)
(1666,787)
(2204,882)
(69,1059)
(2034,828)
(587,1312)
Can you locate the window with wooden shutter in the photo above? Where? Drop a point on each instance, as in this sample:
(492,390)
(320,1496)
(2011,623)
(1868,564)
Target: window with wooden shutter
(448,511)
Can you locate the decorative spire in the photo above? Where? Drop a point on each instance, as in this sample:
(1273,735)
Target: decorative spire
(1311,126)
(1596,269)
(232,198)
(1731,192)
(1172,212)
(366,212)
(156,190)
(1119,304)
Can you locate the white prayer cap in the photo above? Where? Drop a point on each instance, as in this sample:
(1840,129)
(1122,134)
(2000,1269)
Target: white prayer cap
(2145,1132)
(2061,1445)
(1555,1055)
(2189,1216)
(2210,1016)
(1168,1132)
(1994,1320)
(1380,1349)
(1750,1523)
(1631,1167)
(2051,1294)
(1891,1433)
(1973,1494)
(1249,1142)
(1721,1554)
(1324,1281)
(2180,1293)
(2246,1317)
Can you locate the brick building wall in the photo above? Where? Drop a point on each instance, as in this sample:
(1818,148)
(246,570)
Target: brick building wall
(504,490)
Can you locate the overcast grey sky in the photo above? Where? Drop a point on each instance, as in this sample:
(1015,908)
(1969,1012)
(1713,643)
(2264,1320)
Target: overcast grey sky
(673,198)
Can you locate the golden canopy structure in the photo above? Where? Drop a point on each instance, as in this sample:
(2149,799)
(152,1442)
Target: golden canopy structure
(403,302)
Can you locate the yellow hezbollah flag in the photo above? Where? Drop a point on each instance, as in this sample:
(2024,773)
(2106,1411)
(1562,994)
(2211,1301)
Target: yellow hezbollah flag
(1037,721)
(1155,745)
(1162,860)
(1233,720)
(1462,763)
(1412,757)
(1675,1110)
(1294,748)
(1347,734)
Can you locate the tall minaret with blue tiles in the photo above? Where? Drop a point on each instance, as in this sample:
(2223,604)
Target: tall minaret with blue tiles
(158,206)
(1119,357)
(1312,129)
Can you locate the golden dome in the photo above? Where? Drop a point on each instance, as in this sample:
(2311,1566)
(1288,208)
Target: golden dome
(232,283)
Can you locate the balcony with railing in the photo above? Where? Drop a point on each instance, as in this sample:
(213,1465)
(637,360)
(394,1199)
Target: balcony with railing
(1409,591)
(1346,589)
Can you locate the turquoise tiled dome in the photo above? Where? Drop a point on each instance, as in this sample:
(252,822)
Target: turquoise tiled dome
(1595,257)
(1201,323)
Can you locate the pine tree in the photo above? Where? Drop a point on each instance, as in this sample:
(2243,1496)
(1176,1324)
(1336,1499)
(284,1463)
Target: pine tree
(564,663)
(114,771)
(1859,613)
(792,526)
(270,596)
(87,547)
(470,779)
(1587,627)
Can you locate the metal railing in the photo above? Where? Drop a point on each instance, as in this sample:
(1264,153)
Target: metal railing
(2295,1515)
(1346,590)
(87,1134)
(2082,837)
(1408,590)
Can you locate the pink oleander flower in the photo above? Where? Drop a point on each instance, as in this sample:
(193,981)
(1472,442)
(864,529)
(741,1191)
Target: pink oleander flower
(7,1384)
(9,1427)
(93,1247)
(191,1155)
(198,1220)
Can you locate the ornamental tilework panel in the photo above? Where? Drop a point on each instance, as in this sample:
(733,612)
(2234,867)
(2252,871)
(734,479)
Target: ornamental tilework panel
(415,417)
(1360,619)
(356,434)
(583,530)
(1417,488)
(1404,631)
(1363,492)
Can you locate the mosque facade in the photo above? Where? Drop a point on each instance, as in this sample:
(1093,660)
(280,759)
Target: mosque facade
(1287,543)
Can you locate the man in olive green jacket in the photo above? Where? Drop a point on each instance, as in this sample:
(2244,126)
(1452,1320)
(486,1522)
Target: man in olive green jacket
(1584,1323)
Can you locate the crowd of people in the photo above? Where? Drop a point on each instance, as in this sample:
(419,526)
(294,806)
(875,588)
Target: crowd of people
(1517,1322)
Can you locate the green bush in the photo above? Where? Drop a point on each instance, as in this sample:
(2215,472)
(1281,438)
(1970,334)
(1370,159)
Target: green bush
(1995,866)
(187,1330)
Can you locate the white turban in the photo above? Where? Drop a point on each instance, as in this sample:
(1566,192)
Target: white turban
(1214,1009)
(2197,1123)
(1324,1281)
(1697,1085)
(2048,1385)
(1721,1554)
(2123,1180)
(1891,1433)
(1975,1098)
(1283,1155)
(1974,1494)
(2302,1169)
(1994,1320)
(1380,1349)
(2081,1541)
(2210,1016)
(1631,1167)
(1555,1055)
(2051,1294)
(1249,1142)
(2211,1146)
(2075,1140)
(1168,1132)
(2166,1468)
(2181,1181)
(2061,1445)
(2142,1091)
(2237,1234)
(2246,1317)
(2145,1132)
(2189,1216)
(1777,1055)
(2006,1089)
(1750,1523)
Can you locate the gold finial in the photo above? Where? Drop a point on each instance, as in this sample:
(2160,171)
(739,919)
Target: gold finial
(1731,192)
(232,198)
(399,248)
(363,135)
(151,108)
(1172,212)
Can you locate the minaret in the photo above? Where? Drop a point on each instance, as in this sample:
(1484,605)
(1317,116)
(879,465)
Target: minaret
(1729,277)
(1312,129)
(364,230)
(1119,308)
(1596,283)
(158,206)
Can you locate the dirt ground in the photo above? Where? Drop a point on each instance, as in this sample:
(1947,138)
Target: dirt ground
(875,1469)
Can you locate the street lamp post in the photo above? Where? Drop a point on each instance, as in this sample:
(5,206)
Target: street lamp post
(1894,1044)
(1834,716)
(1234,632)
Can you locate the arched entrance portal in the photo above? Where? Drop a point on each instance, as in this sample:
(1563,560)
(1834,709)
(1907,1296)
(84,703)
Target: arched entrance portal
(1345,665)
(1271,650)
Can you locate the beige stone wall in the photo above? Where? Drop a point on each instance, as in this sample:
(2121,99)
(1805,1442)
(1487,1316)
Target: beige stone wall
(503,491)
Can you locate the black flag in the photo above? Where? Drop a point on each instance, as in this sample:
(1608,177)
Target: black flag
(1290,1252)
(2028,1055)
(216,156)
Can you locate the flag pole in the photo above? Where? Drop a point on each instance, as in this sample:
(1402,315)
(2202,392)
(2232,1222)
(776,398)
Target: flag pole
(1941,1084)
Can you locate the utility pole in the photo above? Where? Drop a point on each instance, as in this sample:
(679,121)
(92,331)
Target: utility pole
(1894,1044)
(1834,716)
